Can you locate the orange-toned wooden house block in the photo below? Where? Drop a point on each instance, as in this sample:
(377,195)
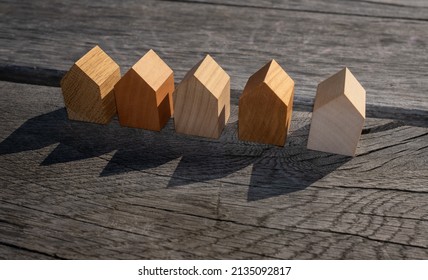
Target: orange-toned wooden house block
(266,106)
(144,94)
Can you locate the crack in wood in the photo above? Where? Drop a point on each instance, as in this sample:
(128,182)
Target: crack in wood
(53,165)
(53,256)
(51,77)
(298,10)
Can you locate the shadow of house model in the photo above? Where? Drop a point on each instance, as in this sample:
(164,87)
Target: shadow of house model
(338,115)
(266,105)
(88,88)
(202,100)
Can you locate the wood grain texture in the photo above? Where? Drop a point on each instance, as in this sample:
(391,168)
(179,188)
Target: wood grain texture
(78,190)
(202,100)
(389,9)
(338,115)
(11,252)
(144,94)
(88,88)
(266,105)
(241,39)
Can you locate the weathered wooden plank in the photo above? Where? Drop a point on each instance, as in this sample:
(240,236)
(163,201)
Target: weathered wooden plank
(146,204)
(50,77)
(132,216)
(11,252)
(121,233)
(387,55)
(401,3)
(76,190)
(187,237)
(400,9)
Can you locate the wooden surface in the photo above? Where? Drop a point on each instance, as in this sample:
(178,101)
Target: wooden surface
(386,49)
(338,114)
(144,94)
(80,190)
(202,100)
(88,87)
(266,106)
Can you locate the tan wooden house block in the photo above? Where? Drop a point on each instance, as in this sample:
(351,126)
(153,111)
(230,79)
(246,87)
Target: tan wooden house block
(202,100)
(266,105)
(338,115)
(144,94)
(88,88)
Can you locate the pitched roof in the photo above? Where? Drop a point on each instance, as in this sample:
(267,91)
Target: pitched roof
(275,78)
(152,69)
(97,65)
(341,83)
(211,75)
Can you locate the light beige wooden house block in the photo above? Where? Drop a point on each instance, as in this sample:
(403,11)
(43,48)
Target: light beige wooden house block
(88,88)
(266,105)
(202,100)
(338,115)
(144,94)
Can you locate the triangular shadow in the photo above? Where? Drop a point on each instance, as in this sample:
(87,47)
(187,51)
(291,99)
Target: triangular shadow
(62,154)
(214,159)
(292,168)
(134,158)
(36,133)
(201,168)
(136,149)
(275,171)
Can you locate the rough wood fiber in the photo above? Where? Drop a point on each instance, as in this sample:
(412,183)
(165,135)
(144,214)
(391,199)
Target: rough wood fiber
(389,9)
(144,94)
(338,115)
(266,105)
(78,190)
(202,100)
(88,88)
(240,38)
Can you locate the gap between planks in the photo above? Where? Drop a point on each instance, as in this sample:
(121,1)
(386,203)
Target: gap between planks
(306,10)
(52,77)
